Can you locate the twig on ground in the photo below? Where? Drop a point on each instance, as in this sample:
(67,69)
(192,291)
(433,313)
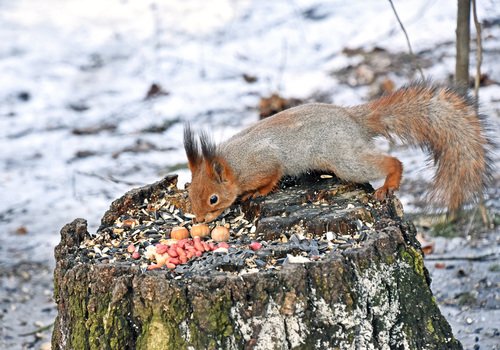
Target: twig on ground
(110,178)
(38,330)
(471,220)
(484,257)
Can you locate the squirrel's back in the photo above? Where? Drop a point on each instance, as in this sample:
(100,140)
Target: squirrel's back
(313,136)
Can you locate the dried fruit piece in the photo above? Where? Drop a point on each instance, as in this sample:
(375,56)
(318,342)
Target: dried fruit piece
(161,248)
(136,255)
(223,245)
(131,248)
(172,252)
(180,252)
(220,234)
(154,267)
(255,245)
(169,241)
(206,247)
(197,245)
(182,242)
(130,223)
(179,232)
(221,250)
(162,259)
(200,230)
(150,252)
(174,261)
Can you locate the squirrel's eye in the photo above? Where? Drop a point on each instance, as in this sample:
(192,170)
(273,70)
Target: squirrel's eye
(214,199)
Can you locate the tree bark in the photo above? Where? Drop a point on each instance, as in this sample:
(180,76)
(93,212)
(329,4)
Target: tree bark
(463,43)
(373,295)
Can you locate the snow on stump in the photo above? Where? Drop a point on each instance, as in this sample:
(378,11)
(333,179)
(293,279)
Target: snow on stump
(315,265)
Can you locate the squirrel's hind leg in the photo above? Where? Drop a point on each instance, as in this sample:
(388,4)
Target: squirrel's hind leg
(393,170)
(364,165)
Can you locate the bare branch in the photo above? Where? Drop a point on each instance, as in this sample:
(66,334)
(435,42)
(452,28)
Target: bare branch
(487,221)
(407,41)
(479,51)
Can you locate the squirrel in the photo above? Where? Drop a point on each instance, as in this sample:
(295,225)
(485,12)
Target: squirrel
(441,120)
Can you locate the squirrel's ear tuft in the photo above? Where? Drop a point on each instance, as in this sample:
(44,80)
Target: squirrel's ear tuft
(208,147)
(191,147)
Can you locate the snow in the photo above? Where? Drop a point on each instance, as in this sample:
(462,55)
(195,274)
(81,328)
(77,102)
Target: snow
(104,55)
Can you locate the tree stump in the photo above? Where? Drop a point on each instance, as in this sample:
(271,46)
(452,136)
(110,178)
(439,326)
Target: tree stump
(336,270)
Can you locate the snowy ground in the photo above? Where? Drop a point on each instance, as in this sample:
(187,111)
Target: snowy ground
(76,130)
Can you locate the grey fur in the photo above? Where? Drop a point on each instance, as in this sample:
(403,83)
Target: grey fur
(317,137)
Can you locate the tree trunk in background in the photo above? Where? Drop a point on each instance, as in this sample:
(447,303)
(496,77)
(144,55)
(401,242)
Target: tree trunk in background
(463,39)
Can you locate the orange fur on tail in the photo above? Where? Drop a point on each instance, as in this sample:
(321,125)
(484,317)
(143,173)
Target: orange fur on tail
(445,123)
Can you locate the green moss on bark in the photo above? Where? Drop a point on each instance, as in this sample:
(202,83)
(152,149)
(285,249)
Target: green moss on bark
(211,316)
(78,315)
(157,334)
(419,308)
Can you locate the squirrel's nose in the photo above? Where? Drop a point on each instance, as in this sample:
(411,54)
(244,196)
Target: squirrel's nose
(209,217)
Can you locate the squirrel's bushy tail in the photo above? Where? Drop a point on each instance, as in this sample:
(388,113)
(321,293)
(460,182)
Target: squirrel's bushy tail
(445,123)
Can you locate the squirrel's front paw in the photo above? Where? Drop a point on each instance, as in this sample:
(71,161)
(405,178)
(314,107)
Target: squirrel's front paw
(248,195)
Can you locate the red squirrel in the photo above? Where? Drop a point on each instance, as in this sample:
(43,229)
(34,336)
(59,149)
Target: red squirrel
(325,137)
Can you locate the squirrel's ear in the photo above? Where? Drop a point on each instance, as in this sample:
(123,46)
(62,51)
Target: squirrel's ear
(216,167)
(191,147)
(221,171)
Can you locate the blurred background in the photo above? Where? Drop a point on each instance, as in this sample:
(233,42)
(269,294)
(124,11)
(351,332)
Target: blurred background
(94,94)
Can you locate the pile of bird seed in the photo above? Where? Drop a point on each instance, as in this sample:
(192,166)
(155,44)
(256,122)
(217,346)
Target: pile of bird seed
(142,235)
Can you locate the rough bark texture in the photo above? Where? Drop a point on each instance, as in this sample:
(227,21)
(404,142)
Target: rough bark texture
(375,296)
